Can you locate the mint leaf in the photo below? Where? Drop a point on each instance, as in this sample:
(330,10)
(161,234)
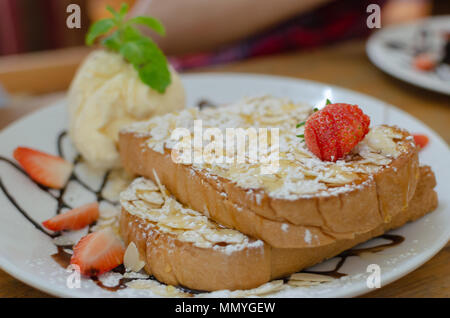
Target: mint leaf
(328,102)
(149,61)
(123,9)
(129,33)
(149,22)
(112,42)
(113,12)
(300,124)
(155,76)
(136,52)
(118,16)
(140,51)
(99,28)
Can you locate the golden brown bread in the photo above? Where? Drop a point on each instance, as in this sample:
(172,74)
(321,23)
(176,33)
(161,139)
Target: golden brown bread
(177,262)
(309,221)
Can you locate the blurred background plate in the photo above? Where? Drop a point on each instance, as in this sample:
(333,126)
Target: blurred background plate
(392,49)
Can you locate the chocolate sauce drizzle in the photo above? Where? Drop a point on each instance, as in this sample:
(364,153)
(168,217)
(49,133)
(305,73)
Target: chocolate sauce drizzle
(62,257)
(61,204)
(394,241)
(204,103)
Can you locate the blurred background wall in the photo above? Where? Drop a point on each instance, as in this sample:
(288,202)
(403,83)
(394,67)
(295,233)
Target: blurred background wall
(36,25)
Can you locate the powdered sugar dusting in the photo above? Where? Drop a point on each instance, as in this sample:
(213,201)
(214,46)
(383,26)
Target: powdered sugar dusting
(301,173)
(144,200)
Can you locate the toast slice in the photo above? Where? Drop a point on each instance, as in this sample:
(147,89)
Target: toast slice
(182,247)
(307,203)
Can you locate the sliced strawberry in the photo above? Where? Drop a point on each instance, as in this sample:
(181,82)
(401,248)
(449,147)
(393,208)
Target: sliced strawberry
(315,138)
(74,219)
(421,140)
(424,62)
(45,169)
(98,252)
(334,131)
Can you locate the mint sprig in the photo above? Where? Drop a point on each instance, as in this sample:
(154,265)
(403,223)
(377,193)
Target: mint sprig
(137,49)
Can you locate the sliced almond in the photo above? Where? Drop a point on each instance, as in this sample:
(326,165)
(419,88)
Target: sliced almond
(264,289)
(155,199)
(157,288)
(70,237)
(310,277)
(108,210)
(296,283)
(131,259)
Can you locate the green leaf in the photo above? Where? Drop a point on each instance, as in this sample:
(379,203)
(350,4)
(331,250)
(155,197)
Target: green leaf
(328,102)
(115,14)
(134,52)
(112,42)
(301,136)
(140,51)
(149,22)
(99,28)
(300,124)
(123,9)
(150,63)
(156,76)
(315,109)
(129,34)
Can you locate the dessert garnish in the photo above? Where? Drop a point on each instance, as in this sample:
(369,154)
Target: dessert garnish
(47,170)
(137,49)
(421,140)
(332,132)
(98,253)
(315,109)
(425,62)
(74,219)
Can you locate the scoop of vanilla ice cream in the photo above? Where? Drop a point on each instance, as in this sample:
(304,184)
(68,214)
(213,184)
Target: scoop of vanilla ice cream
(107,95)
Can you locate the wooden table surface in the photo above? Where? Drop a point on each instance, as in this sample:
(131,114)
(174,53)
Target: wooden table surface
(344,65)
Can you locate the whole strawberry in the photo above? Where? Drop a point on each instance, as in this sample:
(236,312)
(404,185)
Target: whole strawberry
(335,130)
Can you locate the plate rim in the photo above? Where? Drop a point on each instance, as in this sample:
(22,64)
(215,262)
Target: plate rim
(392,276)
(377,60)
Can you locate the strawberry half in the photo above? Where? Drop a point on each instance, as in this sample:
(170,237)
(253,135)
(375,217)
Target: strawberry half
(98,252)
(421,140)
(48,170)
(74,219)
(424,62)
(334,131)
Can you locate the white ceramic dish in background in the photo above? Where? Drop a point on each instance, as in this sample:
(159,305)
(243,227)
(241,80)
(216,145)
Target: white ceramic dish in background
(25,252)
(398,62)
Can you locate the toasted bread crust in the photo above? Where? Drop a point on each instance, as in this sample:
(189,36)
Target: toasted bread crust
(311,221)
(182,263)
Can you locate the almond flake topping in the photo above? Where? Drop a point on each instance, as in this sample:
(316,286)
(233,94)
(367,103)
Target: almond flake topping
(146,201)
(301,174)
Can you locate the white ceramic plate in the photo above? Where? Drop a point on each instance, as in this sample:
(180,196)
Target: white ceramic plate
(25,251)
(391,49)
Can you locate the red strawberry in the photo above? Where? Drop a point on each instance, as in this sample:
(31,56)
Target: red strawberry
(98,252)
(334,131)
(45,169)
(421,140)
(424,62)
(74,219)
